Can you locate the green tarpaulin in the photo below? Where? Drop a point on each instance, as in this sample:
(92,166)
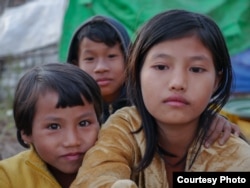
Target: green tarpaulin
(233,17)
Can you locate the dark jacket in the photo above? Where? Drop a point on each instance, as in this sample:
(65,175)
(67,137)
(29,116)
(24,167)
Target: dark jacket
(110,108)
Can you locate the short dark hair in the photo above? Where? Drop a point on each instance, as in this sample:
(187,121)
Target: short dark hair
(101,29)
(69,81)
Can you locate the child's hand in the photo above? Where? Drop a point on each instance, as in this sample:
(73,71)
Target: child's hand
(220,130)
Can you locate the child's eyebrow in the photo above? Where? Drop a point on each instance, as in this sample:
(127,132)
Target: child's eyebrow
(161,55)
(82,115)
(87,114)
(199,58)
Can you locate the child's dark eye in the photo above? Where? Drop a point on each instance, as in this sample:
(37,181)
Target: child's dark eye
(161,67)
(112,55)
(197,69)
(54,126)
(89,59)
(84,123)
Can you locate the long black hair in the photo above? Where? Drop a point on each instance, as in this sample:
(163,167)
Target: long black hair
(175,24)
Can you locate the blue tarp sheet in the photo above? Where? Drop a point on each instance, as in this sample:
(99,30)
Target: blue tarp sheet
(241,68)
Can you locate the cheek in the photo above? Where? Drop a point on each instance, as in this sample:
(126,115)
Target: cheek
(91,138)
(148,89)
(119,73)
(118,67)
(95,133)
(87,68)
(92,134)
(202,96)
(44,147)
(149,81)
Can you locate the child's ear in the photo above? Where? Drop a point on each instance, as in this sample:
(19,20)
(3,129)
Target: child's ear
(27,139)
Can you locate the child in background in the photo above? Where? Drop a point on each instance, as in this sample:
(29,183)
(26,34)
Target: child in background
(100,47)
(179,77)
(57,112)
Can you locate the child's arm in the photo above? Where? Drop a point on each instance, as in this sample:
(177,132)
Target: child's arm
(220,130)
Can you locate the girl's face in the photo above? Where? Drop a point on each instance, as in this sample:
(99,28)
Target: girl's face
(105,64)
(178,79)
(61,136)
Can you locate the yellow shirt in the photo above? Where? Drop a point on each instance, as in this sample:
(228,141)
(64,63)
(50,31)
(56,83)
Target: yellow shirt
(26,170)
(111,161)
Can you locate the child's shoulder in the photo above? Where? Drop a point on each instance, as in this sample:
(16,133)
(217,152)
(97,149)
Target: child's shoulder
(126,118)
(12,170)
(127,113)
(234,155)
(25,169)
(237,142)
(234,147)
(15,160)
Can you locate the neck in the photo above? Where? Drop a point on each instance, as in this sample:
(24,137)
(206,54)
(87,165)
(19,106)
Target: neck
(111,97)
(63,179)
(176,139)
(171,159)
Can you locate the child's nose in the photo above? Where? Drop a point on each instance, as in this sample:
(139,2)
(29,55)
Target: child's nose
(71,138)
(101,65)
(178,81)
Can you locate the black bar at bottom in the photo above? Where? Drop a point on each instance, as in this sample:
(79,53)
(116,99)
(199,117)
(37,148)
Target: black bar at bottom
(211,179)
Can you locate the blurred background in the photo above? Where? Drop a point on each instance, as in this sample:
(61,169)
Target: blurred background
(39,31)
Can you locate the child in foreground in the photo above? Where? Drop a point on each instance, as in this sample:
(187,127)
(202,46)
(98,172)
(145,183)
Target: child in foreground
(179,77)
(57,112)
(100,47)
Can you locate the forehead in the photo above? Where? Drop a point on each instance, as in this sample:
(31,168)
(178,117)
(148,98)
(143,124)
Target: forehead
(47,95)
(59,99)
(88,45)
(183,47)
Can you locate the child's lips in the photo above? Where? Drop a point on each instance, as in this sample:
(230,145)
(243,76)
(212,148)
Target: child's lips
(73,156)
(176,101)
(103,81)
